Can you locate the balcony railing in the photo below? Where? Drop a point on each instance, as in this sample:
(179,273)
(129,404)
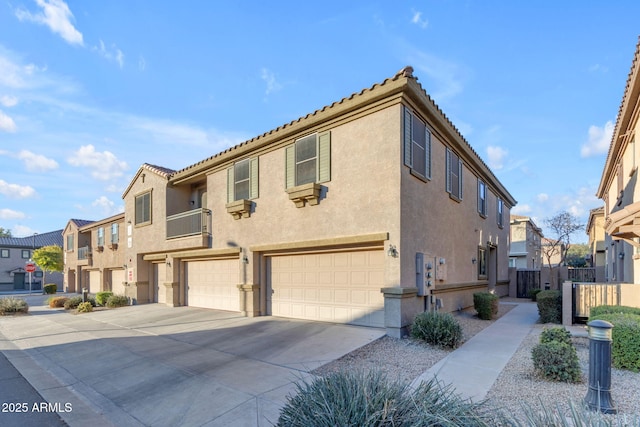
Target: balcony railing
(188,223)
(84,253)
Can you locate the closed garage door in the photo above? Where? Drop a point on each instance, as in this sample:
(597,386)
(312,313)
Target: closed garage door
(159,274)
(213,284)
(94,282)
(340,287)
(117,282)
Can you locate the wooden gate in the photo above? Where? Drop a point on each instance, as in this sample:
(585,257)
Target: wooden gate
(526,281)
(587,295)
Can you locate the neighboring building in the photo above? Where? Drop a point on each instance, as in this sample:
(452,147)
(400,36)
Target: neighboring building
(94,255)
(597,252)
(366,212)
(551,252)
(525,242)
(16,252)
(619,187)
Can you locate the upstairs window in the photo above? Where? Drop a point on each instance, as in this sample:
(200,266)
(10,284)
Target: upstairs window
(101,236)
(500,210)
(26,254)
(143,208)
(482,198)
(242,180)
(417,145)
(69,242)
(4,253)
(114,233)
(454,175)
(308,160)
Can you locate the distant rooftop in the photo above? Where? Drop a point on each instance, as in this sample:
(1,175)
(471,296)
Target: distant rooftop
(37,240)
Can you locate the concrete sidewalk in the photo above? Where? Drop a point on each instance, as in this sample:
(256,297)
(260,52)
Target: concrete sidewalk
(474,367)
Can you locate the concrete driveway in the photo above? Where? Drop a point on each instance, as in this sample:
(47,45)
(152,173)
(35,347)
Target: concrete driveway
(159,366)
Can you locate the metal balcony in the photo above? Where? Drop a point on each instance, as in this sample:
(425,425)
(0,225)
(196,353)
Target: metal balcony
(190,223)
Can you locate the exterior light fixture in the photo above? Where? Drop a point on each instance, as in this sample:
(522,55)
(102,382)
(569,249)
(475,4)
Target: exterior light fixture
(392,251)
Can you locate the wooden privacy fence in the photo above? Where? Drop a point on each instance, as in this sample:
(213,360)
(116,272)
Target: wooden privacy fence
(526,281)
(587,295)
(582,274)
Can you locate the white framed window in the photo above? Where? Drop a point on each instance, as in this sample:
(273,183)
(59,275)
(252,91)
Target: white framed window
(308,160)
(242,180)
(454,174)
(69,242)
(500,212)
(482,198)
(143,209)
(115,232)
(101,236)
(4,253)
(26,254)
(417,145)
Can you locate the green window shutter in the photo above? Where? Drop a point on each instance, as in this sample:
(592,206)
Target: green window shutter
(230,185)
(427,150)
(407,140)
(290,166)
(324,157)
(460,179)
(253,178)
(448,170)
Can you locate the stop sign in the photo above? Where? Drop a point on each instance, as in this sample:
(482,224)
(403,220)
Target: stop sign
(30,267)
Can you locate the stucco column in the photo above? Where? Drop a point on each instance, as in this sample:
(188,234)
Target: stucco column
(249,300)
(567,303)
(400,307)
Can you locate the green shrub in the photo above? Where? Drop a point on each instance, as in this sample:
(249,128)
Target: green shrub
(57,302)
(550,306)
(437,328)
(533,294)
(102,297)
(556,361)
(10,305)
(85,307)
(358,398)
(612,309)
(625,349)
(117,301)
(578,415)
(50,288)
(486,304)
(556,333)
(73,302)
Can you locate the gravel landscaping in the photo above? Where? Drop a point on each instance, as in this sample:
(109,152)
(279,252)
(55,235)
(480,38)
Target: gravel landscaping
(406,359)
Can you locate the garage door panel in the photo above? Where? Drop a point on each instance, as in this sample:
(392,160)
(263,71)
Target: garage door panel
(94,282)
(341,287)
(117,282)
(213,284)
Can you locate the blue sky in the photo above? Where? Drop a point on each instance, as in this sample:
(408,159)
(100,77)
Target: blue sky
(91,90)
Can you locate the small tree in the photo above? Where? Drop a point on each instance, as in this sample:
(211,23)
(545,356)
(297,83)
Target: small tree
(562,225)
(4,232)
(49,258)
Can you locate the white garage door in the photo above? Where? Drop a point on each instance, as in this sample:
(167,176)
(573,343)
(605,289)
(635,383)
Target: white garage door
(341,287)
(159,277)
(94,282)
(117,282)
(213,284)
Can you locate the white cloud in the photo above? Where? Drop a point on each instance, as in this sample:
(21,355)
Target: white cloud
(445,77)
(15,191)
(542,197)
(103,165)
(142,64)
(37,162)
(22,231)
(418,20)
(521,210)
(111,54)
(599,140)
(106,206)
(496,157)
(9,214)
(8,101)
(6,123)
(270,80)
(57,16)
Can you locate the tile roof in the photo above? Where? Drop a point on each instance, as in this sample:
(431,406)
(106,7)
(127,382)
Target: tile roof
(37,240)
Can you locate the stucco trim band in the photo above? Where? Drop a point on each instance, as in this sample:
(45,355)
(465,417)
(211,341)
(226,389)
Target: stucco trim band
(363,239)
(206,253)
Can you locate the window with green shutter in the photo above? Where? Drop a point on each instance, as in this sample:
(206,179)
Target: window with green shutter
(308,160)
(454,175)
(143,208)
(242,180)
(417,145)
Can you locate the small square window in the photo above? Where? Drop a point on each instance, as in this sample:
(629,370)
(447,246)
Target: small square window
(26,254)
(4,253)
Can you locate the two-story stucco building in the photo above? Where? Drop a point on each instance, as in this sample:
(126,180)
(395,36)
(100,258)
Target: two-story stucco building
(366,211)
(526,242)
(619,187)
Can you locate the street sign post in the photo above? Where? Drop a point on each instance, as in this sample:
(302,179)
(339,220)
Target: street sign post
(30,268)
